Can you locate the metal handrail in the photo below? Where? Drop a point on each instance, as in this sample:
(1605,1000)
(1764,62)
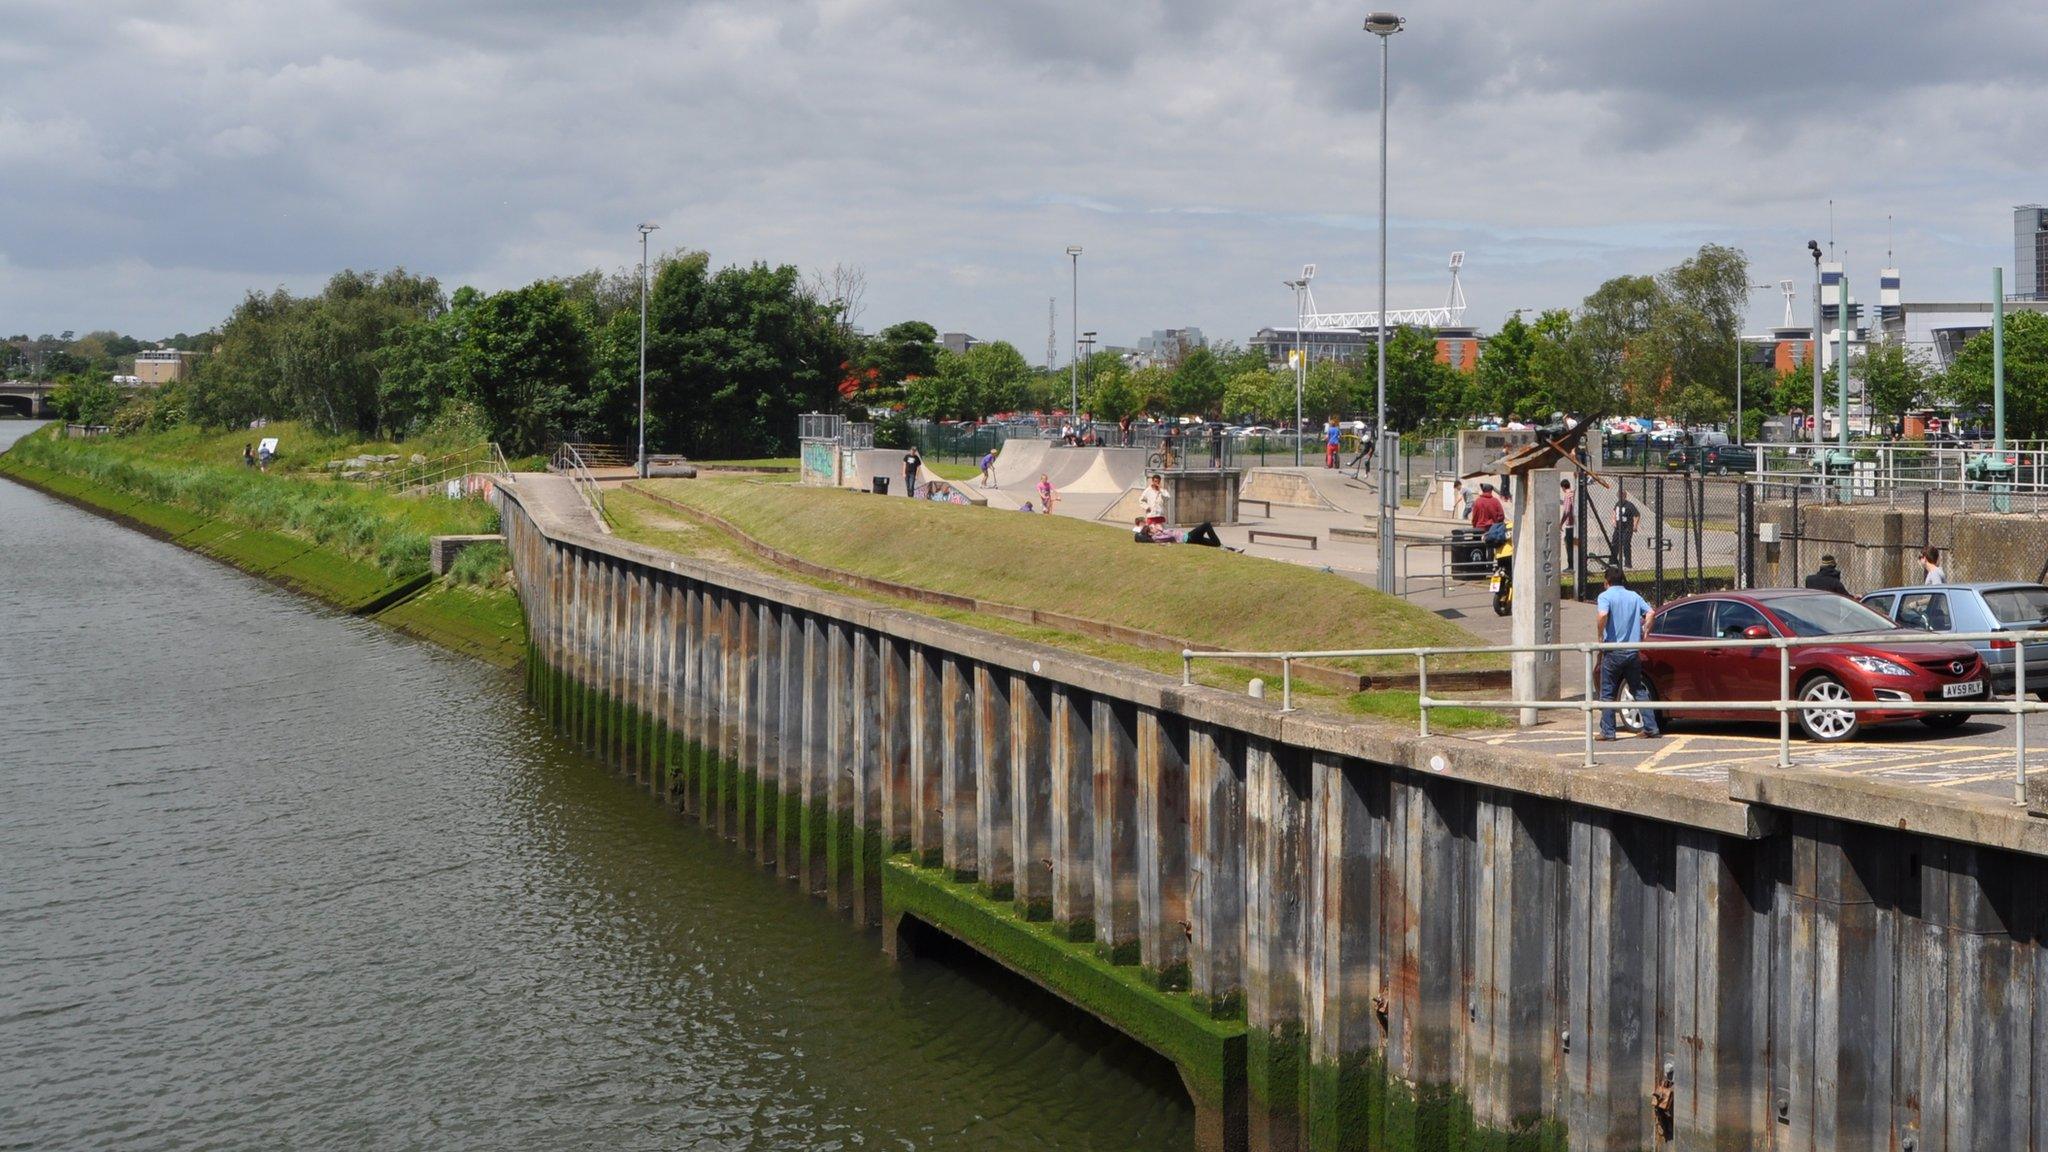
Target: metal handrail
(461,463)
(568,459)
(2018,707)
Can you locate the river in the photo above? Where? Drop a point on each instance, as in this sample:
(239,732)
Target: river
(274,877)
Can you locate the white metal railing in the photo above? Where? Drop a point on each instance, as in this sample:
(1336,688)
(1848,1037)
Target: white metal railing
(485,457)
(2019,706)
(568,459)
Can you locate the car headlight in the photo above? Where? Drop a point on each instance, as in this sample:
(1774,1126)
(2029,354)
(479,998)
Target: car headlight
(1879,666)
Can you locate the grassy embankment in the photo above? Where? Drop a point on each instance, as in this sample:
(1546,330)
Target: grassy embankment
(1072,567)
(361,550)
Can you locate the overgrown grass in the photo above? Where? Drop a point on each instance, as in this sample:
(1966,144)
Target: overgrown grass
(193,470)
(1073,567)
(480,564)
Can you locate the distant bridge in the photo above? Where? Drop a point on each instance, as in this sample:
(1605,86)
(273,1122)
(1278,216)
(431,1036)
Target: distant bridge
(24,397)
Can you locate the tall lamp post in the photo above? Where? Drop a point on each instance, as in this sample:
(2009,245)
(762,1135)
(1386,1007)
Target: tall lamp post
(1300,356)
(1074,373)
(642,456)
(1739,358)
(1384,25)
(1087,345)
(1813,361)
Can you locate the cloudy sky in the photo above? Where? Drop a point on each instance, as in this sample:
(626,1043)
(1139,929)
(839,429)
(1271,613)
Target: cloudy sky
(158,159)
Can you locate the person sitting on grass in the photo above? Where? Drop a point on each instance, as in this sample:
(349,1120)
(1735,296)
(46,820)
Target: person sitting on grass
(1144,532)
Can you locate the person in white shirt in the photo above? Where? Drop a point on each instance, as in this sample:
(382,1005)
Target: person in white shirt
(1930,565)
(1152,501)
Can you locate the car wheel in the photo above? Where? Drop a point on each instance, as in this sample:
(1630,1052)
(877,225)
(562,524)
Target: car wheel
(1632,718)
(1943,721)
(1821,723)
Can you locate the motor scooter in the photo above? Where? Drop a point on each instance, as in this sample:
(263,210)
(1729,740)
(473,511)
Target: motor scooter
(1502,582)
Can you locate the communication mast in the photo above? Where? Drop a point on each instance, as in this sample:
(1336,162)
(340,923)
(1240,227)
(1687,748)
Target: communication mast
(1052,332)
(1791,295)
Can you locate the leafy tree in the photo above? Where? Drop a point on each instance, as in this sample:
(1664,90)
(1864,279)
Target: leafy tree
(1108,391)
(1416,380)
(1153,386)
(904,351)
(1616,349)
(2026,374)
(996,374)
(1893,378)
(1197,385)
(1259,393)
(941,394)
(85,399)
(1504,383)
(1565,368)
(733,358)
(519,357)
(1698,404)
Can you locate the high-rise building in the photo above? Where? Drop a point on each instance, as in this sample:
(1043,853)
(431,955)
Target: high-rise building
(2030,252)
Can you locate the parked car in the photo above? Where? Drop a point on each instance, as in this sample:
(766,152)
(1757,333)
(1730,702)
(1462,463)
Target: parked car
(1869,663)
(1985,606)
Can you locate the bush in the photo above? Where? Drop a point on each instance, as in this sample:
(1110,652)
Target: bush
(480,564)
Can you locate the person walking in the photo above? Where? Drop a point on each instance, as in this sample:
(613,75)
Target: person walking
(1333,440)
(911,463)
(1152,503)
(248,455)
(1828,577)
(1930,567)
(1045,493)
(1622,615)
(1567,520)
(1626,517)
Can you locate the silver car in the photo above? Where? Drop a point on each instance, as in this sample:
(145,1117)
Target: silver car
(1986,606)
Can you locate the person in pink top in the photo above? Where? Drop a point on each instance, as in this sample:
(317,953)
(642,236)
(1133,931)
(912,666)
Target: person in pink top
(1045,493)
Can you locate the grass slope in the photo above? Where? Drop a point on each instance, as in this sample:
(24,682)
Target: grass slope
(1057,564)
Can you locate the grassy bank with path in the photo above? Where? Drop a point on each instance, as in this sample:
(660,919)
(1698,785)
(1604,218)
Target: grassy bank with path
(1069,567)
(354,547)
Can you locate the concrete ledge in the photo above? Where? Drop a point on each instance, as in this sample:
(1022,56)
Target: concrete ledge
(1930,812)
(1209,1052)
(444,549)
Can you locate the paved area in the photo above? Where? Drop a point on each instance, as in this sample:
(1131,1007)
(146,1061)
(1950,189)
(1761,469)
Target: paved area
(1975,759)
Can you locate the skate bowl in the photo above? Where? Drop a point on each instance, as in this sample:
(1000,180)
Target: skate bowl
(869,463)
(1072,471)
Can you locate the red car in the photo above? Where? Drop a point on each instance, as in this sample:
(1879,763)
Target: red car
(1868,663)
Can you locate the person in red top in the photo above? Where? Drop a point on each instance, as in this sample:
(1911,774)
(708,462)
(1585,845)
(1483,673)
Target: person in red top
(1488,517)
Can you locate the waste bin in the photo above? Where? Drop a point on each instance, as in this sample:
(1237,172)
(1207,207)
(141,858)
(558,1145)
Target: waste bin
(1471,558)
(881,485)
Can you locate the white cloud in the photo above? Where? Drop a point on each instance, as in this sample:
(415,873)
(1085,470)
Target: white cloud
(1199,151)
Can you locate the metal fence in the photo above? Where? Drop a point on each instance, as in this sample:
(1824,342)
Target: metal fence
(2019,706)
(568,458)
(1687,534)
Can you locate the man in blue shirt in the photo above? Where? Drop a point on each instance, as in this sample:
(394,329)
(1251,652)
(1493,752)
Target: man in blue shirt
(1622,614)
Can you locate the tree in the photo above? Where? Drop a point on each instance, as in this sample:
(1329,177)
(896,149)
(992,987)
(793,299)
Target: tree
(1259,393)
(1565,368)
(904,351)
(1893,378)
(1504,384)
(1416,380)
(1697,404)
(1615,348)
(996,374)
(1152,385)
(1107,389)
(2026,374)
(733,358)
(520,356)
(1197,385)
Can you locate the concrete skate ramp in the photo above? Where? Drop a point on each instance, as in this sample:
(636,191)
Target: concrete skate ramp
(1329,489)
(1125,509)
(1109,471)
(869,463)
(1019,463)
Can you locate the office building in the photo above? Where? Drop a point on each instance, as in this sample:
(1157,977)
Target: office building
(2029,253)
(163,365)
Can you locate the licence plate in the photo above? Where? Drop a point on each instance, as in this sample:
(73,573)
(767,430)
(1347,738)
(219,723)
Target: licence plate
(1493,584)
(1965,688)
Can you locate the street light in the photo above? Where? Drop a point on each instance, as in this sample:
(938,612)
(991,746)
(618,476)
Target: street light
(1087,353)
(642,458)
(1074,373)
(1813,361)
(1308,273)
(1384,25)
(1739,358)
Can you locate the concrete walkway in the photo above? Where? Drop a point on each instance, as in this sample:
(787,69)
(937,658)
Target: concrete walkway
(556,498)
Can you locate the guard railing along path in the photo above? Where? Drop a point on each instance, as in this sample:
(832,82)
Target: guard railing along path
(485,457)
(568,459)
(2019,706)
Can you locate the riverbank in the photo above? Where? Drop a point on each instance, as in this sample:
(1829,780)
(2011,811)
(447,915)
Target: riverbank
(360,551)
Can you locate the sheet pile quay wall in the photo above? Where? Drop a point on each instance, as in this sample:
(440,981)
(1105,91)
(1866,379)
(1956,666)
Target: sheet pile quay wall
(1344,937)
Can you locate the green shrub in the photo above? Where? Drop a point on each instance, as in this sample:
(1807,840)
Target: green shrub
(480,564)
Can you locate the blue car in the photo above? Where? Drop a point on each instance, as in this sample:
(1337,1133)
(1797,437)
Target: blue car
(1987,606)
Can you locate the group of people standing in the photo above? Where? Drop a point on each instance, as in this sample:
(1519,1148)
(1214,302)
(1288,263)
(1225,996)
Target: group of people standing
(1488,516)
